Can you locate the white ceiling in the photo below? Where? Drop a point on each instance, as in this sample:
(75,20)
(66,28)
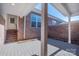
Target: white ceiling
(68,9)
(19,9)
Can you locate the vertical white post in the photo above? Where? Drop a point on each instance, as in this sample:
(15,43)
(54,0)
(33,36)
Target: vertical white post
(24,26)
(69,29)
(17,28)
(17,23)
(44,31)
(5,28)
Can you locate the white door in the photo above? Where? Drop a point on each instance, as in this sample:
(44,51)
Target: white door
(12,22)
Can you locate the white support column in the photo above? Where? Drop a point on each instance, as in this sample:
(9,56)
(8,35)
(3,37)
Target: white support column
(44,31)
(5,28)
(24,26)
(17,27)
(69,29)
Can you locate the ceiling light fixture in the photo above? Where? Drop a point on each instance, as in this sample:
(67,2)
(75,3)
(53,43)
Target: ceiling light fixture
(13,4)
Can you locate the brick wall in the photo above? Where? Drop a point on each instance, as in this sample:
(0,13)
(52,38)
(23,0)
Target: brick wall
(31,32)
(60,32)
(20,28)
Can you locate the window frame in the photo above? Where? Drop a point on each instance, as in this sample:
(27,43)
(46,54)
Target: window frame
(36,19)
(12,18)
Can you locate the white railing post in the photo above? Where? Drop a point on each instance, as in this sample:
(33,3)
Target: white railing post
(24,27)
(69,29)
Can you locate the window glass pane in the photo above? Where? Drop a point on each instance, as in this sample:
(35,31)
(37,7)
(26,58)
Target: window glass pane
(12,20)
(33,24)
(33,18)
(38,24)
(39,19)
(36,20)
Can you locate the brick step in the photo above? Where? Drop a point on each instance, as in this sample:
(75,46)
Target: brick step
(11,33)
(10,40)
(11,36)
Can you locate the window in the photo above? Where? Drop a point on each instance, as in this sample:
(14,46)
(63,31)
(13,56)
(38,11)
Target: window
(35,20)
(12,20)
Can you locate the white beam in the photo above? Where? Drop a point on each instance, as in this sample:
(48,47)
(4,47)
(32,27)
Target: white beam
(44,31)
(69,29)
(24,27)
(5,27)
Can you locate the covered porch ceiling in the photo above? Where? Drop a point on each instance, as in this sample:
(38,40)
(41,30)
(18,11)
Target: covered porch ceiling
(19,9)
(68,9)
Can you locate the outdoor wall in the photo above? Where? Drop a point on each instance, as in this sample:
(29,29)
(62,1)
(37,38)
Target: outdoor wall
(60,32)
(31,32)
(20,28)
(2,22)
